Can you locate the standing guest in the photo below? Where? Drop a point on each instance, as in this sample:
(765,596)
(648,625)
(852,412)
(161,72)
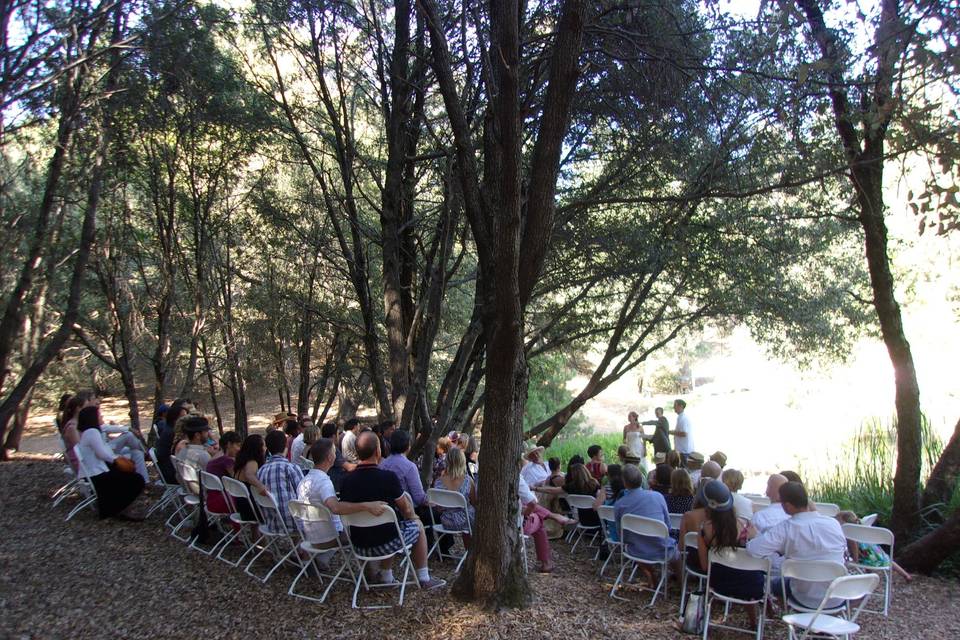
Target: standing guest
(340,466)
(117,488)
(534,518)
(641,502)
(596,467)
(742,505)
(804,535)
(317,488)
(694,464)
(683,432)
(348,446)
(771,516)
(473,455)
(455,478)
(634,438)
(721,531)
(369,483)
(720,458)
(197,450)
(246,464)
(680,499)
(534,471)
(581,483)
(661,433)
(165,435)
(222,465)
(440,456)
(281,478)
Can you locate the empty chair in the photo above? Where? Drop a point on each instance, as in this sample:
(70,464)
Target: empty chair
(211,486)
(675,520)
(366,520)
(846,588)
(739,560)
(277,538)
(809,571)
(649,527)
(869,541)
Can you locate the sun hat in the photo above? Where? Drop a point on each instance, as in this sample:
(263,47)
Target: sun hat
(716,496)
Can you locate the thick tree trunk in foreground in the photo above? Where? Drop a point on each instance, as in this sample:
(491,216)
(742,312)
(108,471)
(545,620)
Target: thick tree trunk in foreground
(943,478)
(926,554)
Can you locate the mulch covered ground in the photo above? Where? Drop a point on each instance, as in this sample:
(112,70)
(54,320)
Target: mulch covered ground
(91,579)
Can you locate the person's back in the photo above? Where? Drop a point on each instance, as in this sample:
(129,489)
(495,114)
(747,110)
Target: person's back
(281,478)
(581,483)
(648,504)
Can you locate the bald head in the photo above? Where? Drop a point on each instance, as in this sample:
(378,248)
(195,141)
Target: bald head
(773,486)
(368,446)
(711,470)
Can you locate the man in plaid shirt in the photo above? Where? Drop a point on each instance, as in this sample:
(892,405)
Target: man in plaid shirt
(280,477)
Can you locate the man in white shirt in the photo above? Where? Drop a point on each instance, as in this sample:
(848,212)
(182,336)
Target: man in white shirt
(317,488)
(771,516)
(683,430)
(805,535)
(535,472)
(348,446)
(196,453)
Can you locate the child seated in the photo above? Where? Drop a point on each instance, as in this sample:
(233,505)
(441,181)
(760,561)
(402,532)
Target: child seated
(868,554)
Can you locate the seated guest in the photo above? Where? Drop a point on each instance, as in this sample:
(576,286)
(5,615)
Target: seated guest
(472,451)
(691,522)
(534,471)
(281,478)
(196,429)
(771,516)
(623,454)
(317,488)
(674,459)
(641,502)
(804,535)
(661,479)
(302,443)
(369,483)
(867,553)
(596,467)
(721,530)
(680,499)
(340,465)
(710,471)
(117,487)
(165,436)
(694,466)
(742,505)
(534,519)
(791,476)
(455,478)
(614,486)
(550,496)
(581,483)
(384,430)
(246,464)
(348,446)
(440,457)
(222,465)
(556,478)
(291,428)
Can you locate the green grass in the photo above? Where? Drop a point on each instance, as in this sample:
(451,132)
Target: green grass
(566,448)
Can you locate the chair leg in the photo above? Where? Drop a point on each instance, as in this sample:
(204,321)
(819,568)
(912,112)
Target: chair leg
(706,614)
(616,584)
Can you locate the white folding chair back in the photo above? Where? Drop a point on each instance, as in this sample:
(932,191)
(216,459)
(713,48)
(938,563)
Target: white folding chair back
(189,494)
(365,519)
(211,485)
(609,522)
(317,530)
(869,521)
(650,528)
(827,509)
(690,544)
(676,519)
(446,499)
(578,502)
(740,560)
(846,588)
(88,493)
(235,490)
(809,571)
(874,536)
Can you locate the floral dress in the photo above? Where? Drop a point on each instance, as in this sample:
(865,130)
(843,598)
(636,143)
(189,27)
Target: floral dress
(456,519)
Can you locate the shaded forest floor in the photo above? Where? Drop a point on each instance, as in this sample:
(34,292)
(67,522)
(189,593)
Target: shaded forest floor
(91,579)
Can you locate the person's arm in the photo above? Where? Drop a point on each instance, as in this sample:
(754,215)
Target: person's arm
(99,447)
(71,437)
(250,477)
(346,508)
(769,544)
(405,507)
(598,498)
(702,549)
(414,485)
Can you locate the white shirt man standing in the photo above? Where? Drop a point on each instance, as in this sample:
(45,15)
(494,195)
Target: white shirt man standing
(805,535)
(683,430)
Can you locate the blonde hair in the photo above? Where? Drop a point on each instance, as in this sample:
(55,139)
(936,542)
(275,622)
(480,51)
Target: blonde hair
(456,463)
(444,444)
(733,479)
(311,434)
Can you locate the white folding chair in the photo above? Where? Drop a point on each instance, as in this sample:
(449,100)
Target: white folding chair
(650,528)
(827,508)
(170,490)
(810,571)
(88,493)
(869,521)
(274,532)
(189,495)
(878,536)
(676,519)
(847,588)
(240,528)
(305,463)
(609,523)
(577,504)
(211,484)
(690,544)
(447,500)
(741,560)
(70,487)
(363,520)
(315,521)
(523,538)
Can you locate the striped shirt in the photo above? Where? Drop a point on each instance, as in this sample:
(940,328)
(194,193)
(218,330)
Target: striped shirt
(281,478)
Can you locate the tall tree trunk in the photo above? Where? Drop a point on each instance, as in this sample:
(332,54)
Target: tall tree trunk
(943,478)
(305,353)
(211,384)
(927,553)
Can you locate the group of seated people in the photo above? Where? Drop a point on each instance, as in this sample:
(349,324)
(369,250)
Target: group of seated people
(707,495)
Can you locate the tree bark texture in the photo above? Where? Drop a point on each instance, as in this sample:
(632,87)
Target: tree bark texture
(943,478)
(927,553)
